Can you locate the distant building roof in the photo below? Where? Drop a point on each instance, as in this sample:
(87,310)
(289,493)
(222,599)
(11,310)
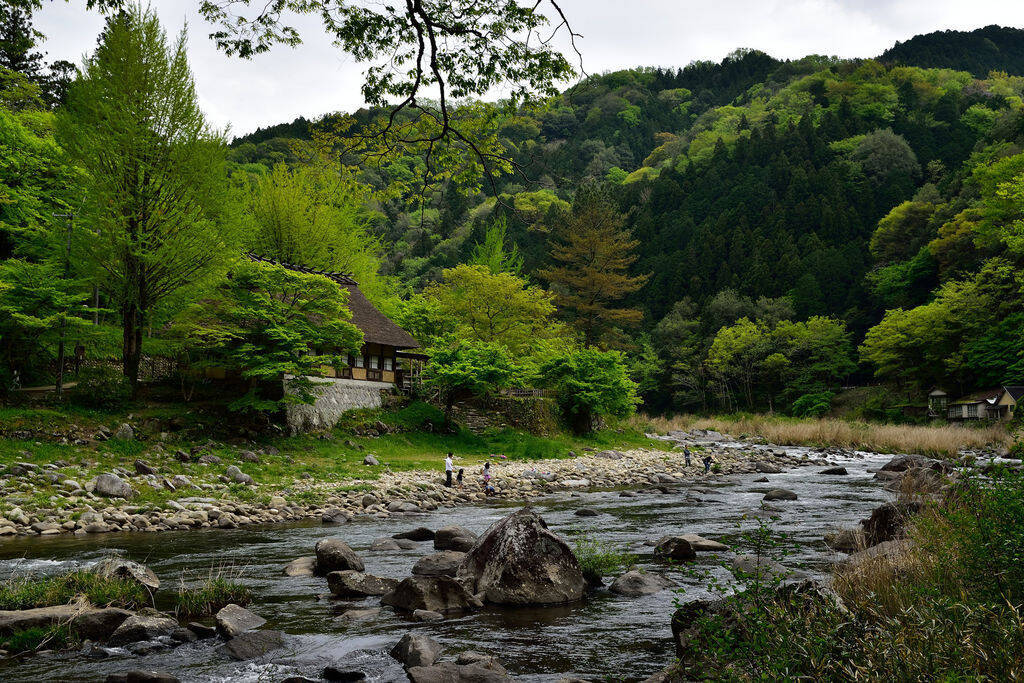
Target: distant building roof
(1015,391)
(989,396)
(377,328)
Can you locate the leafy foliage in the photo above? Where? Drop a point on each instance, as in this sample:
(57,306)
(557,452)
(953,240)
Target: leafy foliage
(590,384)
(267,321)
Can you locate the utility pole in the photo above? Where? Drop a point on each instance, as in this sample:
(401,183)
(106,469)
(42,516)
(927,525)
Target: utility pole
(63,321)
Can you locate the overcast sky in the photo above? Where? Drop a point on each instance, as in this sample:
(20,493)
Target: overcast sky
(316,78)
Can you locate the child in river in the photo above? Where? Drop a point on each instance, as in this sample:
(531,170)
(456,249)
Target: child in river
(488,489)
(458,478)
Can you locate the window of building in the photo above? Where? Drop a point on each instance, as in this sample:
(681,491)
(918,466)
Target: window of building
(359,361)
(972,410)
(375,362)
(389,364)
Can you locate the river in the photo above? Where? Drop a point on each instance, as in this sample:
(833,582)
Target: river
(604,637)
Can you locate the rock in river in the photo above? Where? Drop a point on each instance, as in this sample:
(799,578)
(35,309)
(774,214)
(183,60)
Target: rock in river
(142,627)
(333,555)
(353,584)
(441,594)
(253,644)
(834,471)
(444,563)
(518,561)
(120,568)
(450,672)
(303,566)
(419,534)
(675,548)
(416,649)
(454,538)
(233,620)
(779,494)
(635,583)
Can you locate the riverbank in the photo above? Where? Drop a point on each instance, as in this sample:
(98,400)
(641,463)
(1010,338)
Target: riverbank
(226,488)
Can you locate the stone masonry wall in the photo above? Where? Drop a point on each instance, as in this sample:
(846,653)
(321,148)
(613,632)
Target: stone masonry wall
(334,397)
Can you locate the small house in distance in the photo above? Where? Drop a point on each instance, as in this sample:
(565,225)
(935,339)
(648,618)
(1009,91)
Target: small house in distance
(386,360)
(998,404)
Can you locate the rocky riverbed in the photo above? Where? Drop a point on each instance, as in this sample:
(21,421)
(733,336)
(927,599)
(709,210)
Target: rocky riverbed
(51,500)
(635,501)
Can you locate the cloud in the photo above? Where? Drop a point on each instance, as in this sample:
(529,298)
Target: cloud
(317,78)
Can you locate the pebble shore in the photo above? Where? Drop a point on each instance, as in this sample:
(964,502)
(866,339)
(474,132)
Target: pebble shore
(104,504)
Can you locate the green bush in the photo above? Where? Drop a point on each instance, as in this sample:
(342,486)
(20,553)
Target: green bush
(102,386)
(1017,450)
(813,405)
(599,558)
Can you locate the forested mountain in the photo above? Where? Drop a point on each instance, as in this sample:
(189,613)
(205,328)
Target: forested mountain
(992,48)
(753,233)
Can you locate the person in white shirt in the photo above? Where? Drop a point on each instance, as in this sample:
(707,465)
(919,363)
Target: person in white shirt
(448,467)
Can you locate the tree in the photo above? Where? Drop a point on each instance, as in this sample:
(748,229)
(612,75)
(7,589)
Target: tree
(268,323)
(18,39)
(494,254)
(497,308)
(314,216)
(37,306)
(590,384)
(466,369)
(593,254)
(155,176)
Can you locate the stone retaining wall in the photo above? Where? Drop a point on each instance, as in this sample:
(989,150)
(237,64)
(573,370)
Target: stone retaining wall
(334,397)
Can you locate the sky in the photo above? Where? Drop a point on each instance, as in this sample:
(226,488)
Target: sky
(316,78)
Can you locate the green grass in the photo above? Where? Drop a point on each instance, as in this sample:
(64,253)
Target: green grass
(50,637)
(209,597)
(27,592)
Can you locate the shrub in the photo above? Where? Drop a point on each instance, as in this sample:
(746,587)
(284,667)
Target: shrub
(813,405)
(590,384)
(418,416)
(102,386)
(599,558)
(49,637)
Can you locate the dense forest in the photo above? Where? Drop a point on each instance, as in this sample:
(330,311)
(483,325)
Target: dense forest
(750,234)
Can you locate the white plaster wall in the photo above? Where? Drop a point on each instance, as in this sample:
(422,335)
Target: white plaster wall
(334,397)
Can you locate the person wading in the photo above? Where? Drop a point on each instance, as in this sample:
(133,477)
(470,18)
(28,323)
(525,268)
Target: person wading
(448,467)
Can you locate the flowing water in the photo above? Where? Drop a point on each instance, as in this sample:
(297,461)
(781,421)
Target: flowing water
(605,637)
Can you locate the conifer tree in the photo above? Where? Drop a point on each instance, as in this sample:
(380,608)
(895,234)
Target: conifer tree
(590,275)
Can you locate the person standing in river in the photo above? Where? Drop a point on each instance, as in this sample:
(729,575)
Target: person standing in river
(686,454)
(448,467)
(707,463)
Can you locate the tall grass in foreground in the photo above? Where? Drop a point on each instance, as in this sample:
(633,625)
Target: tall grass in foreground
(27,592)
(945,440)
(215,591)
(948,607)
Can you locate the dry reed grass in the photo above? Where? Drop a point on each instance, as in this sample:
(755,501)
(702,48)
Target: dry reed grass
(945,440)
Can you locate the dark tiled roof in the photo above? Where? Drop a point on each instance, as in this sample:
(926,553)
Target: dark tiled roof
(1015,391)
(377,328)
(983,396)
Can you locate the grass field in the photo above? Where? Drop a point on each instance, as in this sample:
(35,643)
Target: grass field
(939,440)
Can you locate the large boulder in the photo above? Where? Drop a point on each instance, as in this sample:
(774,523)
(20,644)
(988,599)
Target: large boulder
(113,486)
(835,471)
(887,522)
(675,549)
(416,649)
(519,562)
(767,468)
(141,676)
(454,538)
(236,475)
(703,545)
(334,555)
(233,620)
(91,622)
(444,563)
(441,594)
(353,584)
(120,568)
(779,494)
(450,672)
(302,566)
(635,583)
(142,627)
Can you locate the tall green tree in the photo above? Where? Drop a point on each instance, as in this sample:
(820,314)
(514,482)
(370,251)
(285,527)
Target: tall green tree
(313,215)
(150,222)
(590,275)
